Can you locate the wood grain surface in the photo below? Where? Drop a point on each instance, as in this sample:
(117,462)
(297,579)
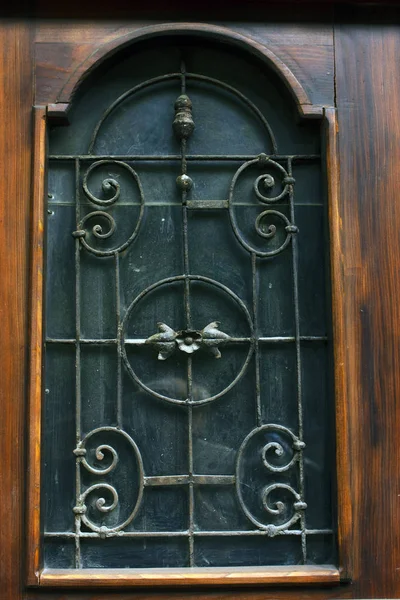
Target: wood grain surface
(300,575)
(15,180)
(368,84)
(343,473)
(62,57)
(35,300)
(368,112)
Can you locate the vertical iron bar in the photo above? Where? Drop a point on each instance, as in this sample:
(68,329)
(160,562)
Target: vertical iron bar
(186,252)
(188,326)
(298,359)
(256,332)
(78,432)
(119,354)
(183,77)
(191,488)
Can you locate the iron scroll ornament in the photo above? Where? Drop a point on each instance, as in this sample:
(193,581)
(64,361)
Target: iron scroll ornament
(126,341)
(188,341)
(264,445)
(111,188)
(101,504)
(277,460)
(264,230)
(280,441)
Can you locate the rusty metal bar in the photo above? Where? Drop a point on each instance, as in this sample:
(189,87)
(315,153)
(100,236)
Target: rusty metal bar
(119,343)
(189,157)
(207,204)
(78,433)
(186,533)
(232,340)
(295,260)
(164,480)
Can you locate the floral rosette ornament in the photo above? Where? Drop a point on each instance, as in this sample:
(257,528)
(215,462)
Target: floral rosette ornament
(187,340)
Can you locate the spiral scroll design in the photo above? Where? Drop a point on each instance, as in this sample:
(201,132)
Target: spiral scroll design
(107,499)
(97,229)
(101,503)
(265,230)
(112,187)
(100,456)
(277,507)
(278,450)
(268,181)
(109,185)
(270,231)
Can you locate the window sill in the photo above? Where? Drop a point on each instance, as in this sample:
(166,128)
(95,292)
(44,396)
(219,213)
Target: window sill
(299,574)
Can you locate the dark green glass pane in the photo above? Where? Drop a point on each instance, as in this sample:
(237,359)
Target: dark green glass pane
(187,354)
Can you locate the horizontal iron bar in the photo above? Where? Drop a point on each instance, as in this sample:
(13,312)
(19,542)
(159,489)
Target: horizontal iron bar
(96,342)
(137,534)
(262,532)
(142,341)
(222,533)
(207,204)
(302,338)
(186,479)
(190,204)
(177,157)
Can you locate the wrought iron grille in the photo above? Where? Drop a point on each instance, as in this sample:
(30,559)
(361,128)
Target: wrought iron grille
(174,365)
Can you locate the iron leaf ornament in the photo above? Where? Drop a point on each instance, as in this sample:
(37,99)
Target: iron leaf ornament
(187,340)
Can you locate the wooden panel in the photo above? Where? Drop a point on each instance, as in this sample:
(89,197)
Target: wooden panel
(196,593)
(307,49)
(368,81)
(344,482)
(368,84)
(15,170)
(36,346)
(61,51)
(54,63)
(307,575)
(301,575)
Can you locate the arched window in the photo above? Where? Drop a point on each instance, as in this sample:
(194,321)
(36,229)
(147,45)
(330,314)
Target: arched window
(188,416)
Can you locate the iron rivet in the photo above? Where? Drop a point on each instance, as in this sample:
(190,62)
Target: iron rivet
(184,182)
(263,159)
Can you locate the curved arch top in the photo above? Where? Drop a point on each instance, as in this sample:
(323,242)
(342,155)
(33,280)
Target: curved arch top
(105,51)
(192,76)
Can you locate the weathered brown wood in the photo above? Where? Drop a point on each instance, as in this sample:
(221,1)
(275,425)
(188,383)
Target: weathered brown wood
(36,346)
(16,92)
(367,95)
(344,506)
(305,575)
(229,592)
(57,114)
(64,53)
(103,51)
(368,84)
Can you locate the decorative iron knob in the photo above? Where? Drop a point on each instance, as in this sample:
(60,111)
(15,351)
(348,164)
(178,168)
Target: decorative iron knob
(183,124)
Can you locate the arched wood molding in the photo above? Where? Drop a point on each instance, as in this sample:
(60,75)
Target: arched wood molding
(58,112)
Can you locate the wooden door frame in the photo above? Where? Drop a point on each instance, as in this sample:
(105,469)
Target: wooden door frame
(302,574)
(368,218)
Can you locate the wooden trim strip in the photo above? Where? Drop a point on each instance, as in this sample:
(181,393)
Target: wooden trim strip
(181,577)
(339,345)
(36,346)
(210,31)
(308,574)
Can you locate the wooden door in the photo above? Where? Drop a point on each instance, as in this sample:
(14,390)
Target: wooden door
(334,64)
